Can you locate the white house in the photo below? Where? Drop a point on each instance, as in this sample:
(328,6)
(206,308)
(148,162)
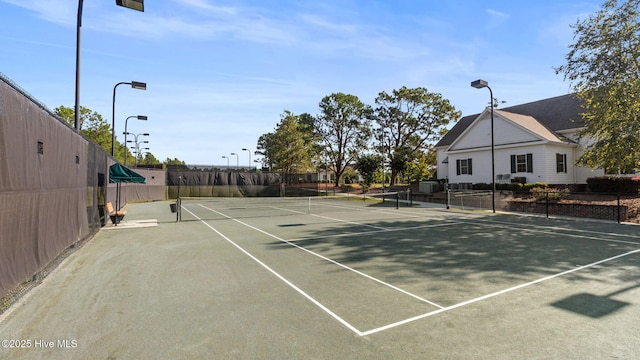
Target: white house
(534,142)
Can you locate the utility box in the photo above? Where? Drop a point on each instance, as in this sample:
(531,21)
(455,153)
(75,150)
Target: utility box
(428,187)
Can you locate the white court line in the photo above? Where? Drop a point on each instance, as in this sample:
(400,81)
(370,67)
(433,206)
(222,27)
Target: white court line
(314,301)
(327,259)
(422,316)
(565,229)
(377,231)
(341,220)
(556,233)
(328,218)
(406,321)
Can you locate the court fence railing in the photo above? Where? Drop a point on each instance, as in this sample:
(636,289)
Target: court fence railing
(617,207)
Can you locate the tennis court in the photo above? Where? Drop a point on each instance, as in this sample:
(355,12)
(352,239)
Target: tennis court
(373,267)
(351,278)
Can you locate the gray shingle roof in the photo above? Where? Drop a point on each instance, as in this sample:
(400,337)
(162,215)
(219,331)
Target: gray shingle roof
(557,113)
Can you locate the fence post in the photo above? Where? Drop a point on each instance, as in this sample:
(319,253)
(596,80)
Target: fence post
(547,204)
(618,208)
(178,201)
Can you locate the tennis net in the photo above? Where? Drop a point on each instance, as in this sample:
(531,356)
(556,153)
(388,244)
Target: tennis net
(242,207)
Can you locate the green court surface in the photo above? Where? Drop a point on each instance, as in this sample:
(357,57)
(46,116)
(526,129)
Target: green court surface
(317,279)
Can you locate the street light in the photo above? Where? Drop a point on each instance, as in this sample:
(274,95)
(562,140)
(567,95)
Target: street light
(141,151)
(131,4)
(249,151)
(139,117)
(237,160)
(479,84)
(135,85)
(137,143)
(224,157)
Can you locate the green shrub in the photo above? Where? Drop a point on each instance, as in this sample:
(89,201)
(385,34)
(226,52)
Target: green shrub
(613,184)
(481,186)
(516,186)
(553,194)
(346,187)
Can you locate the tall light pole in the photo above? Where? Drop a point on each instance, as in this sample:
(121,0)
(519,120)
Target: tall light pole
(249,151)
(225,157)
(131,4)
(135,85)
(139,117)
(237,160)
(137,144)
(140,152)
(479,84)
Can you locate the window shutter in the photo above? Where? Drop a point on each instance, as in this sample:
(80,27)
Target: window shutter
(469,167)
(559,163)
(458,167)
(529,163)
(513,164)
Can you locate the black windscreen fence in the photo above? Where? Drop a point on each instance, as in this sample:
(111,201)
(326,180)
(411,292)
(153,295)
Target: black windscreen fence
(221,183)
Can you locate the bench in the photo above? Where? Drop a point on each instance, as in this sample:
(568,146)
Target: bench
(116,216)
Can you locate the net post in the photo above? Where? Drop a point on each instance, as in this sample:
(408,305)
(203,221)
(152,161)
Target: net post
(179,202)
(398,200)
(309,208)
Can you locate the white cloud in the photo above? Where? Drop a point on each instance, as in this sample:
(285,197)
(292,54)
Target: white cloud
(59,12)
(497,13)
(212,9)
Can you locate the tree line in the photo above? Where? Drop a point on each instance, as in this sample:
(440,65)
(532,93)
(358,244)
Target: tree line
(348,134)
(602,66)
(95,128)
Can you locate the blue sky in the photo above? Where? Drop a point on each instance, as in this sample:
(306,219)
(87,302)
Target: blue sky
(220,72)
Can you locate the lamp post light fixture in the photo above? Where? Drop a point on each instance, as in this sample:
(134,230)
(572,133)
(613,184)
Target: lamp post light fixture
(136,142)
(226,157)
(249,151)
(139,117)
(140,152)
(479,84)
(131,4)
(135,85)
(237,160)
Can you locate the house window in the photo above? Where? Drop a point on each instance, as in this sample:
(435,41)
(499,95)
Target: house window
(561,163)
(522,163)
(463,167)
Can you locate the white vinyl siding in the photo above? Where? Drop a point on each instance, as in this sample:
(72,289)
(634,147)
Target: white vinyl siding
(505,132)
